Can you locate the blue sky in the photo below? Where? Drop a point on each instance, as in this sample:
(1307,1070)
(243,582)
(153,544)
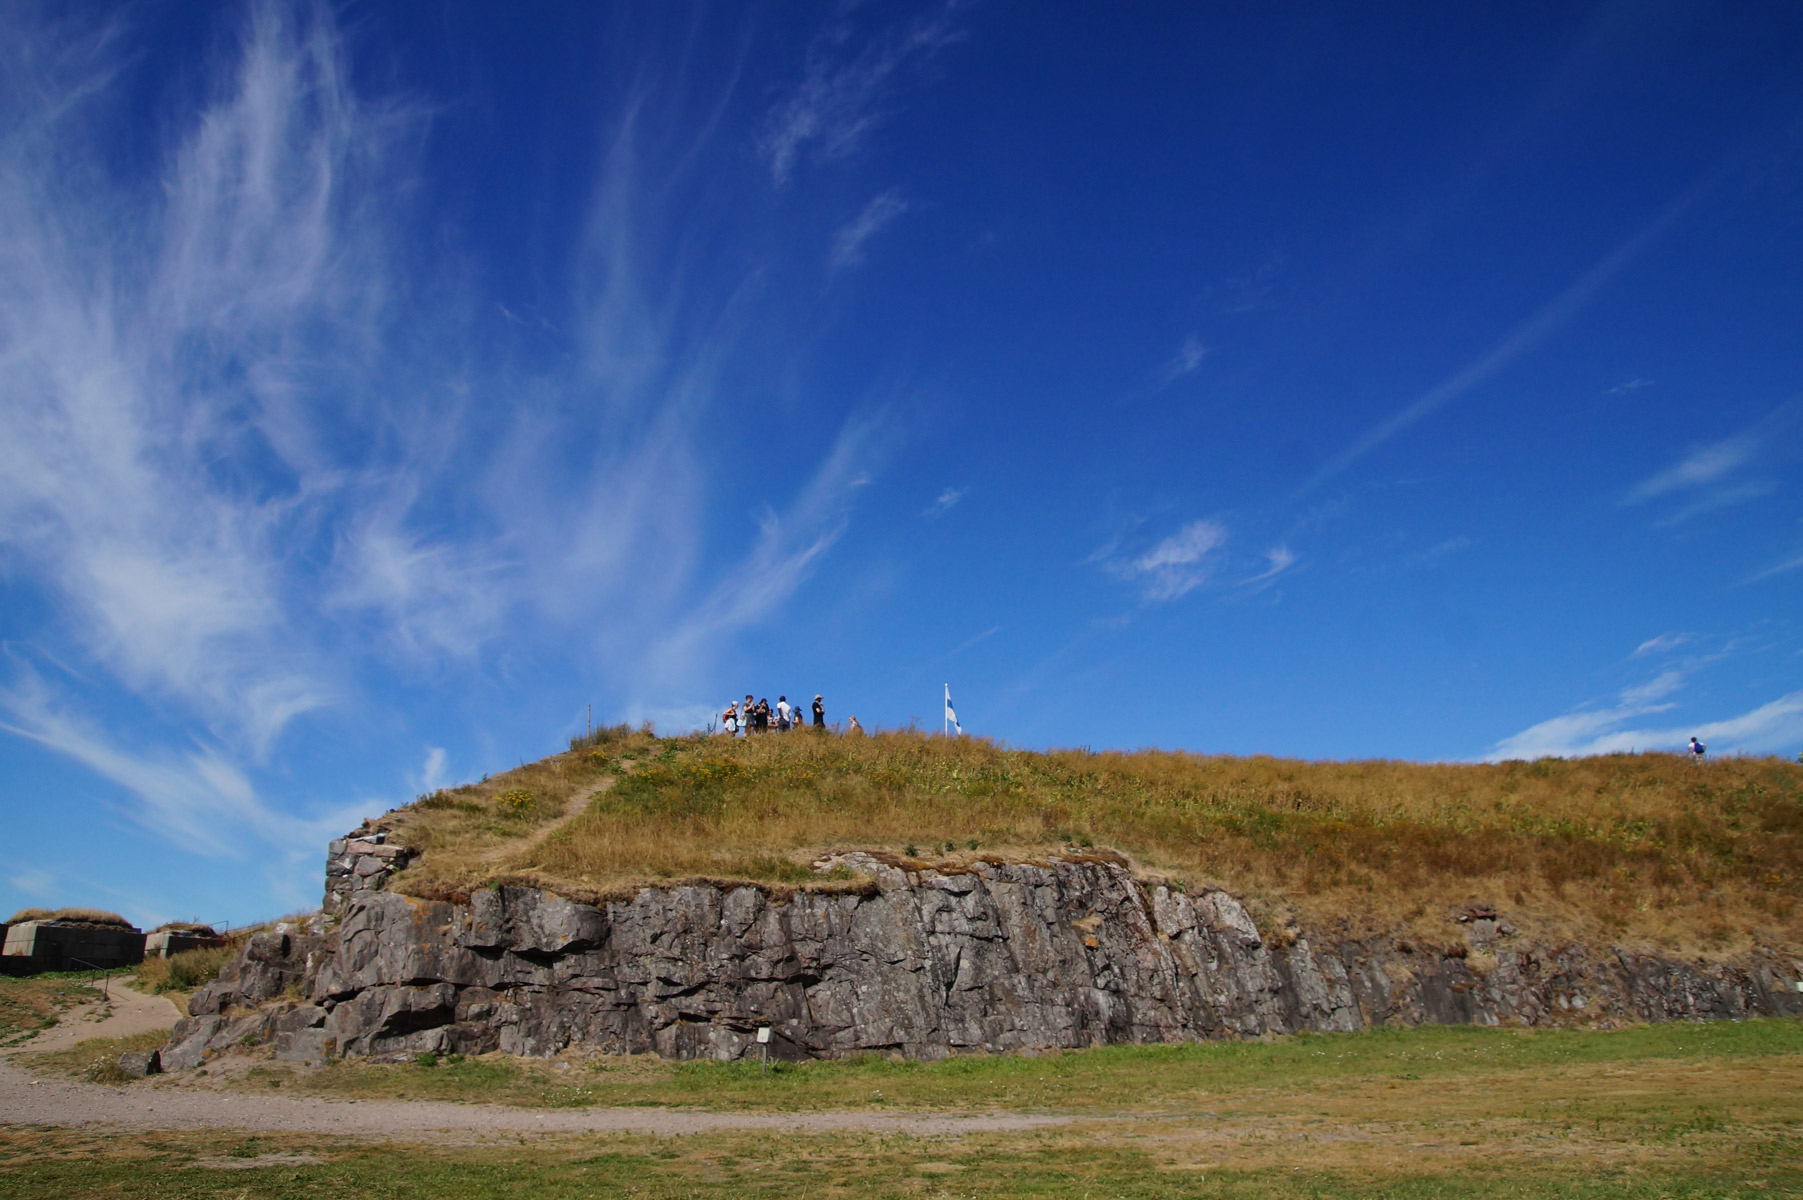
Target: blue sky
(383,384)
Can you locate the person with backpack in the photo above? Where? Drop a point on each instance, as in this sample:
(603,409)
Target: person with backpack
(1697,749)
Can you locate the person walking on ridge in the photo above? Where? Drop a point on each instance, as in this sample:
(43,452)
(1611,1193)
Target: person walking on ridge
(1697,749)
(819,714)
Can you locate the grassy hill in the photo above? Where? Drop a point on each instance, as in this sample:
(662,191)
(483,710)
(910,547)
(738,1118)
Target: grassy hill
(1646,849)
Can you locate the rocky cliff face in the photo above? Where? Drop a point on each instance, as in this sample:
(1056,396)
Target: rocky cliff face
(994,956)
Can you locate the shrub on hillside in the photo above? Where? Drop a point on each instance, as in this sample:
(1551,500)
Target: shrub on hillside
(186,971)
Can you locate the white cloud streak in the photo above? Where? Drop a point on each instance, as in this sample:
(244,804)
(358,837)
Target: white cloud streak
(787,550)
(1278,559)
(1523,338)
(139,359)
(200,796)
(1772,727)
(845,89)
(1186,361)
(249,460)
(1663,644)
(1705,465)
(1779,568)
(848,243)
(1176,566)
(945,502)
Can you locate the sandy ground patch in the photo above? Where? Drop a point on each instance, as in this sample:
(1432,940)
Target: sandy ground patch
(116,1012)
(67,1103)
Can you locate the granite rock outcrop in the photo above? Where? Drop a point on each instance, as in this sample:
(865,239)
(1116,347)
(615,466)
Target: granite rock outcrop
(925,961)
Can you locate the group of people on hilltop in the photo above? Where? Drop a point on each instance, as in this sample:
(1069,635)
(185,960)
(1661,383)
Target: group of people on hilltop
(758,717)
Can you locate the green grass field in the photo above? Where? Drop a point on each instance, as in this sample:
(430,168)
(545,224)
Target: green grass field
(1690,1110)
(1110,1079)
(1627,1159)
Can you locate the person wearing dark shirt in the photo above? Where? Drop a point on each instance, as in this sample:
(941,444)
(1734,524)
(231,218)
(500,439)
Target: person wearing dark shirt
(819,714)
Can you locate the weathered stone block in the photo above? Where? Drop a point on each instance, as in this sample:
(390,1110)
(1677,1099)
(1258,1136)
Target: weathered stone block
(139,1063)
(312,1046)
(188,1042)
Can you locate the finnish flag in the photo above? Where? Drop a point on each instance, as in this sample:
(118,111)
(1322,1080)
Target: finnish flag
(951,718)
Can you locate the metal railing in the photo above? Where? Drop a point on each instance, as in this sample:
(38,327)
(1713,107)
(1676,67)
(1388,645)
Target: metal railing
(105,973)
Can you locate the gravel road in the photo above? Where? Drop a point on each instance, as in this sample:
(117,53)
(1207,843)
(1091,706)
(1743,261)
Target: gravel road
(27,1100)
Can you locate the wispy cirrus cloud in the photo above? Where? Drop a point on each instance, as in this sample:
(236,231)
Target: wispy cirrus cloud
(848,243)
(1723,473)
(1278,559)
(945,502)
(1594,730)
(968,642)
(1782,567)
(1704,466)
(788,548)
(1663,644)
(257,465)
(1530,333)
(846,87)
(1186,361)
(1174,566)
(148,347)
(199,794)
(1772,727)
(1620,726)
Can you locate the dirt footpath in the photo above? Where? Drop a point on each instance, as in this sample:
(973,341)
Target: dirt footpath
(25,1100)
(28,1101)
(125,1013)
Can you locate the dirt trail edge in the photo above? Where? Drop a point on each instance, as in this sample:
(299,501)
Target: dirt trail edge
(61,1102)
(125,1014)
(574,807)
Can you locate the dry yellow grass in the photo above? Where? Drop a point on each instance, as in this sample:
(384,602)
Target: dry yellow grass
(81,916)
(1626,848)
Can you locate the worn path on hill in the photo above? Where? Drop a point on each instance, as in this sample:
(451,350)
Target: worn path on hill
(126,1014)
(63,1102)
(574,807)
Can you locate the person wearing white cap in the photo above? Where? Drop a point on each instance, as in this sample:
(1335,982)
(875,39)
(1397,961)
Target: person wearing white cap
(819,714)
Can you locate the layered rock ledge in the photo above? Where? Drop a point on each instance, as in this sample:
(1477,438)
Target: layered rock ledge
(992,956)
